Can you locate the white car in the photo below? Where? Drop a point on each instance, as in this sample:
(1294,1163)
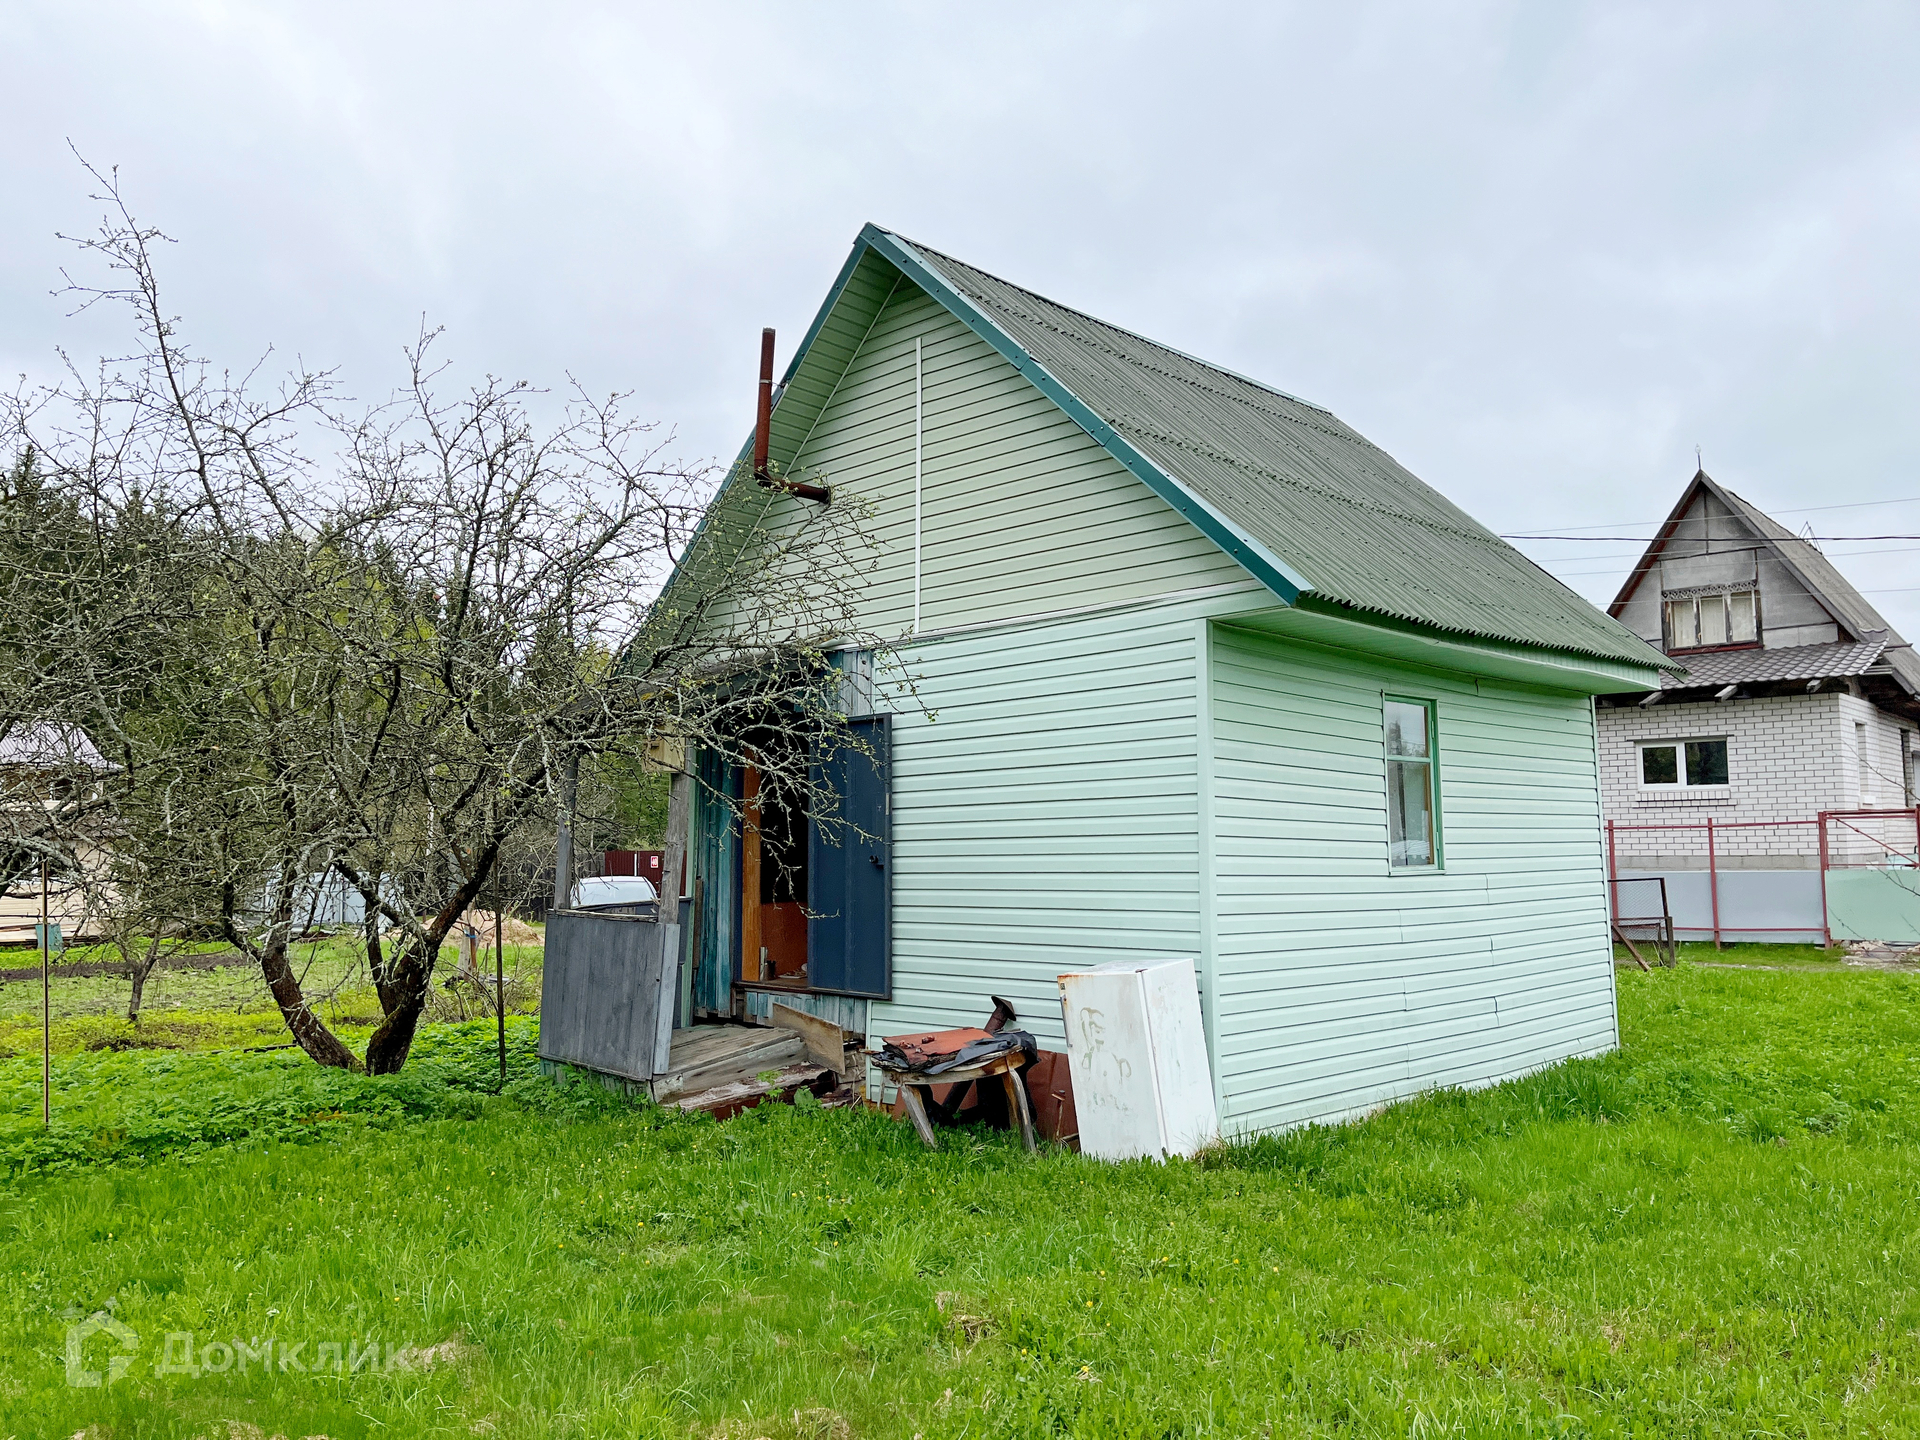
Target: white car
(622,894)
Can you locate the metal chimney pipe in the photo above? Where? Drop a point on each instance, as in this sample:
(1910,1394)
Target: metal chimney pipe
(763,422)
(763,434)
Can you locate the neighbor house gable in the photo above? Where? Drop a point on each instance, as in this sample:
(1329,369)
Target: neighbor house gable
(1710,538)
(1809,623)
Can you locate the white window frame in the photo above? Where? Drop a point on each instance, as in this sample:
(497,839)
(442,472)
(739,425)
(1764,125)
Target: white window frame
(1436,861)
(1685,781)
(1692,603)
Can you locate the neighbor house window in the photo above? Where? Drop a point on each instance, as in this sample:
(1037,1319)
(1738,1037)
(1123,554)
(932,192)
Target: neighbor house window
(1724,618)
(1907,766)
(1674,763)
(1413,829)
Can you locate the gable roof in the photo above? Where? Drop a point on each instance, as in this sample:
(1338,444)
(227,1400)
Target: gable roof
(40,745)
(1861,624)
(1311,508)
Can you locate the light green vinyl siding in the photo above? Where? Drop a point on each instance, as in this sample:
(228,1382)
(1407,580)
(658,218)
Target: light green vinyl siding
(1341,985)
(1047,820)
(1022,513)
(1095,769)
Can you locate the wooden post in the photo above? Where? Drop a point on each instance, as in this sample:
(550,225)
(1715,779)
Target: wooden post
(563,836)
(753,954)
(46,1006)
(679,818)
(500,981)
(673,878)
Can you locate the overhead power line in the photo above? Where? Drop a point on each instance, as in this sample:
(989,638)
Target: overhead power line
(1649,539)
(1801,510)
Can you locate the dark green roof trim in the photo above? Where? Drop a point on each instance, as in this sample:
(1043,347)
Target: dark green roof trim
(840,283)
(1255,558)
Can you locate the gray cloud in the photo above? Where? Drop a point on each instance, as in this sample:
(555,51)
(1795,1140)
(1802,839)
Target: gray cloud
(1537,251)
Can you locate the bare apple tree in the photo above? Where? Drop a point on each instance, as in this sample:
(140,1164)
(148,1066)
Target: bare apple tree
(385,667)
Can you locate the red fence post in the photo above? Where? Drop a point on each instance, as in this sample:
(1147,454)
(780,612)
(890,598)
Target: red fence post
(1613,873)
(1826,917)
(1713,884)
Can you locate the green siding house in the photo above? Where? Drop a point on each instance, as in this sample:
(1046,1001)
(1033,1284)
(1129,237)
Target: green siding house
(1200,672)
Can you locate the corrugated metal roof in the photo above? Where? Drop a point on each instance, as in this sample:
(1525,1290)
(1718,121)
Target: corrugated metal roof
(1794,662)
(1360,529)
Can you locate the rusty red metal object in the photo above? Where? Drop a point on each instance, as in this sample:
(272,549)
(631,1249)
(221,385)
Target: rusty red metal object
(931,1045)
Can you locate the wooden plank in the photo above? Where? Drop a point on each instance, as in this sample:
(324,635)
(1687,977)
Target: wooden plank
(731,1096)
(826,1042)
(673,878)
(773,1050)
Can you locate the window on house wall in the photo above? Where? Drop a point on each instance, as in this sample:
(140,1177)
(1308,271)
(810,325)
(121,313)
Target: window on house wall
(1725,618)
(1863,762)
(1908,760)
(1674,764)
(1413,826)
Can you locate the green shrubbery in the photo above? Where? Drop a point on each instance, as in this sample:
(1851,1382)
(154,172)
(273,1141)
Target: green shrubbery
(136,1106)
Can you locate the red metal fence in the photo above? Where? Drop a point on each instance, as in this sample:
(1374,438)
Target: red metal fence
(1841,839)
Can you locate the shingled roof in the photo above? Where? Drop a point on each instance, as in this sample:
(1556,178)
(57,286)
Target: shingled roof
(1715,668)
(1308,505)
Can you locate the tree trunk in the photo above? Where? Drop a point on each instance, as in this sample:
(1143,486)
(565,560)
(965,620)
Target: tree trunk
(137,972)
(308,1029)
(404,996)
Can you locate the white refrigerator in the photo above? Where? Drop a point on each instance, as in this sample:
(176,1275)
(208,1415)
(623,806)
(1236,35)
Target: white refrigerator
(1137,1052)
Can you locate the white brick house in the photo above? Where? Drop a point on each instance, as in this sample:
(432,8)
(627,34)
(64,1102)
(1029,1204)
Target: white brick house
(1797,698)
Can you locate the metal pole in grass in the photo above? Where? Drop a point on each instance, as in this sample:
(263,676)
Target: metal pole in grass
(46,1006)
(500,981)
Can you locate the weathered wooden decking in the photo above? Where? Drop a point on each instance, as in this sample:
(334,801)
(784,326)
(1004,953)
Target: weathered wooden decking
(727,1068)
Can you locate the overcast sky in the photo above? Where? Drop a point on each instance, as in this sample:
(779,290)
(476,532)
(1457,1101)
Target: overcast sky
(1538,252)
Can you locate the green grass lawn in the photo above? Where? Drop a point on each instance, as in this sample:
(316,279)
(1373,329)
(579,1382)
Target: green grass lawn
(1713,1232)
(224,1008)
(1743,952)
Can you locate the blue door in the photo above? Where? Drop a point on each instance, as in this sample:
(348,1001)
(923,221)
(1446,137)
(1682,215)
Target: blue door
(849,868)
(716,887)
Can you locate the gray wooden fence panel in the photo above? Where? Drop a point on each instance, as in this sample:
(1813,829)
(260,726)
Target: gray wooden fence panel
(607,990)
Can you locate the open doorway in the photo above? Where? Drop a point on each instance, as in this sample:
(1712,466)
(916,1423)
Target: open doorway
(773,876)
(785,899)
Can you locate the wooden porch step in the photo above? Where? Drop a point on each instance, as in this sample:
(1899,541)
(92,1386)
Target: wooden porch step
(737,1054)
